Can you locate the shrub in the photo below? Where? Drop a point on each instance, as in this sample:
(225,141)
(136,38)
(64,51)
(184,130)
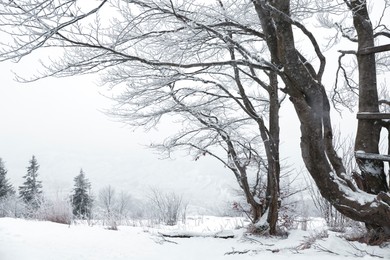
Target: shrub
(57,210)
(12,206)
(166,207)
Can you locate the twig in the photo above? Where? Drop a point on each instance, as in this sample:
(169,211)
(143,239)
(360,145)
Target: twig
(169,241)
(234,252)
(324,249)
(362,252)
(161,239)
(255,240)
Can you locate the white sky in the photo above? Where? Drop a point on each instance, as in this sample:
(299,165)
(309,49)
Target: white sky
(61,123)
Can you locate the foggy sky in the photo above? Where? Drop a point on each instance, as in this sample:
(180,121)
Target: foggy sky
(61,122)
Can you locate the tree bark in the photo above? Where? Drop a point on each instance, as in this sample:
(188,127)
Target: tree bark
(273,187)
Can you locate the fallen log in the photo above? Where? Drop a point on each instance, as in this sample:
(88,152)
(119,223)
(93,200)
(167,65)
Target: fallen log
(225,234)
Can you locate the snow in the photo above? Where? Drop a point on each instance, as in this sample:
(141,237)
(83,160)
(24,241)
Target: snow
(27,239)
(359,196)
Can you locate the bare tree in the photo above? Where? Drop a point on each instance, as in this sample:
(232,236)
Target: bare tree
(125,206)
(217,62)
(107,198)
(108,202)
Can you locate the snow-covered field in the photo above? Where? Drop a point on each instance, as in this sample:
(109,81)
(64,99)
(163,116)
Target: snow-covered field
(26,239)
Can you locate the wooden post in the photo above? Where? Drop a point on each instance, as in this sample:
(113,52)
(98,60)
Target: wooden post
(372,115)
(372,156)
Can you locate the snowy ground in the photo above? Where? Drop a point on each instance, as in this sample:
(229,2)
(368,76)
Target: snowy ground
(22,239)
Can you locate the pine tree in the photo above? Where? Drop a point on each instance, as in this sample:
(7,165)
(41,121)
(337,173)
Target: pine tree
(6,188)
(81,199)
(31,190)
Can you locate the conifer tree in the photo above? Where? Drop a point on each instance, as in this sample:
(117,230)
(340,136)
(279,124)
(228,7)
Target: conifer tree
(81,199)
(6,188)
(31,190)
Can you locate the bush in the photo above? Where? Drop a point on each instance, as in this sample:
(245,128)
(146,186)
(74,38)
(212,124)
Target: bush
(12,206)
(166,207)
(115,208)
(57,210)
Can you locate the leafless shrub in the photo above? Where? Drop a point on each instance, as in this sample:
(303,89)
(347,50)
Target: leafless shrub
(115,209)
(33,209)
(292,209)
(11,206)
(334,219)
(166,207)
(58,210)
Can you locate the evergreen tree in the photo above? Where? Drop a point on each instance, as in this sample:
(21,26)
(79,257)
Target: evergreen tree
(6,188)
(31,190)
(81,198)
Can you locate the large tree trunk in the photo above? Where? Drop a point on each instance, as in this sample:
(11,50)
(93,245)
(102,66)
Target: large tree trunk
(368,132)
(312,107)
